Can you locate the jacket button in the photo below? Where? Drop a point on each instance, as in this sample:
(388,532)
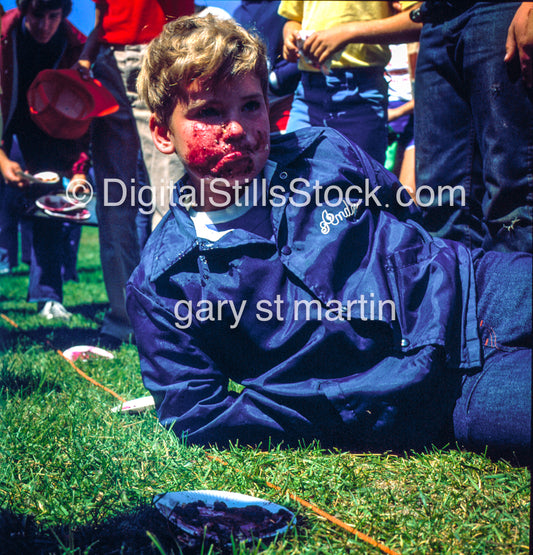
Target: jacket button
(405,342)
(283,175)
(286,250)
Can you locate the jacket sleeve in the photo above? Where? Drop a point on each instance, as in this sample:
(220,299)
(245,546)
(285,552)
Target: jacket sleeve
(401,402)
(191,394)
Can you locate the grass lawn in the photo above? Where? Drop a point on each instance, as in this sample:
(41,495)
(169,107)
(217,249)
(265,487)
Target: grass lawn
(77,478)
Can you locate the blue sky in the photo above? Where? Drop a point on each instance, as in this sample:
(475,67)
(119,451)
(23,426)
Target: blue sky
(83,10)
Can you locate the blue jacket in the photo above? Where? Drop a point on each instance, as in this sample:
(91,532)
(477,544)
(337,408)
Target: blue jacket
(378,373)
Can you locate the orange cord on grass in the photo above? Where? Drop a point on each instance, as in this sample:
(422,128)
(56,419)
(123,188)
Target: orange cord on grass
(9,321)
(88,378)
(315,509)
(60,353)
(294,497)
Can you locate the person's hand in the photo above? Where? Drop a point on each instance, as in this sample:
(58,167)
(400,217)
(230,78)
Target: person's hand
(397,7)
(84,69)
(11,172)
(290,36)
(322,45)
(520,41)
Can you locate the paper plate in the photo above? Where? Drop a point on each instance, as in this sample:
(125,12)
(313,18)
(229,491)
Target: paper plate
(166,503)
(85,352)
(42,178)
(47,177)
(136,405)
(59,204)
(78,216)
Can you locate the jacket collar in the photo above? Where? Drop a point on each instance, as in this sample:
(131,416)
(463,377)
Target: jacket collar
(175,237)
(286,148)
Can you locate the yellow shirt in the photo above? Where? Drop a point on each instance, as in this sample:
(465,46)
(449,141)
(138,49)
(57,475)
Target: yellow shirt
(317,15)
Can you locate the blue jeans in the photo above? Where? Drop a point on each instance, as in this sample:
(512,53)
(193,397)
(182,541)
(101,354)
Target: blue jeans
(9,221)
(494,409)
(116,140)
(46,281)
(53,245)
(352,101)
(473,132)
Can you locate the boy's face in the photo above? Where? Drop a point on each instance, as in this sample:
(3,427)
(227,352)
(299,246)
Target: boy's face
(221,132)
(43,26)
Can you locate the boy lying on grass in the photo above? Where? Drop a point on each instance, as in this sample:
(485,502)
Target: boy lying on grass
(285,266)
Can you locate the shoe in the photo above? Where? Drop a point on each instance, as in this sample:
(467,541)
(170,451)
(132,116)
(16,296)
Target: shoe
(109,342)
(54,310)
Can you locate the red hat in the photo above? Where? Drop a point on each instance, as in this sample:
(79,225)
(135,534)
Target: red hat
(63,104)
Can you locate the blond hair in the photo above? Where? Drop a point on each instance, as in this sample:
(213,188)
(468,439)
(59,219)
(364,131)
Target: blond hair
(206,49)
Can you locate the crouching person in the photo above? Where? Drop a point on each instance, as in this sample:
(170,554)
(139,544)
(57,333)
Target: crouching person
(288,264)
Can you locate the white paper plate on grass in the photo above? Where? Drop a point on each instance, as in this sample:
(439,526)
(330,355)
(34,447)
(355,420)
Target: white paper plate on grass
(85,352)
(136,405)
(282,519)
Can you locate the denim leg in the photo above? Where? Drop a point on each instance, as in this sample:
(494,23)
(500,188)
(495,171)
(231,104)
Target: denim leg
(117,139)
(309,104)
(474,133)
(115,149)
(143,220)
(70,242)
(445,143)
(26,239)
(46,283)
(494,409)
(361,117)
(8,226)
(502,110)
(353,102)
(162,170)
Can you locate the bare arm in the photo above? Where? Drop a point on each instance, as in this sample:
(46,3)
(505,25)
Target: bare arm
(404,109)
(396,29)
(520,41)
(90,49)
